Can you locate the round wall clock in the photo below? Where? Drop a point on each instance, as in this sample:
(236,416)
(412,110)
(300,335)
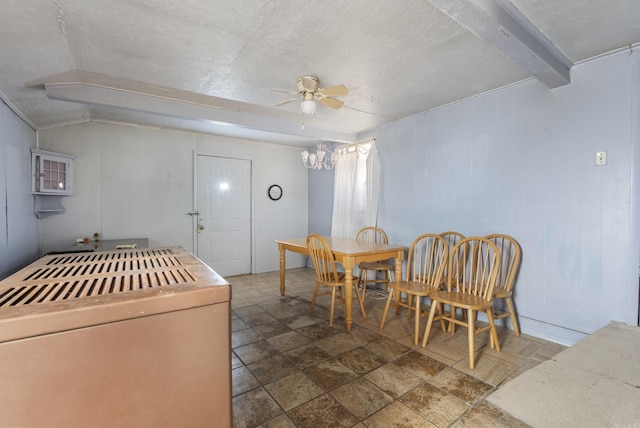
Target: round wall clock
(274,192)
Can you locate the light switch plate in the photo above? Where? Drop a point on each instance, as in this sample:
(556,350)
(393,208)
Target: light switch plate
(601,158)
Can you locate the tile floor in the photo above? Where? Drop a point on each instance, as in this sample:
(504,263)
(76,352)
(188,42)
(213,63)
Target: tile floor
(290,369)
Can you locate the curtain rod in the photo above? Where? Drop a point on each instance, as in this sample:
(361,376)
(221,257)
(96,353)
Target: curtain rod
(347,146)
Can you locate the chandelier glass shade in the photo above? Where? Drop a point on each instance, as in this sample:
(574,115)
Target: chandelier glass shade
(323,158)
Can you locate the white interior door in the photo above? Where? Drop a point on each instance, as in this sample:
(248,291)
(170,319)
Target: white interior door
(224,214)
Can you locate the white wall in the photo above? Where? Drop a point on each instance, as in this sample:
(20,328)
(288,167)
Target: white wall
(285,218)
(320,200)
(520,161)
(137,182)
(18,224)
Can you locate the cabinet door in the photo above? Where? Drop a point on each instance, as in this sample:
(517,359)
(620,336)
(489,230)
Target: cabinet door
(53,173)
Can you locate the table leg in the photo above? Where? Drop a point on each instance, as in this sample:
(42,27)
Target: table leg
(398,272)
(348,292)
(398,277)
(282,268)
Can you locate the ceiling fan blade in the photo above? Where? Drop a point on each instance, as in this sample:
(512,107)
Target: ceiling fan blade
(334,91)
(285,101)
(331,102)
(286,91)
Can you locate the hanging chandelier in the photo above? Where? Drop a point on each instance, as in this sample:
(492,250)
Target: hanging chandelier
(323,158)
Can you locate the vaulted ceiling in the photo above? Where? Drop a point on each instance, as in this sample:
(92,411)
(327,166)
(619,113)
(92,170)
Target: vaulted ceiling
(210,66)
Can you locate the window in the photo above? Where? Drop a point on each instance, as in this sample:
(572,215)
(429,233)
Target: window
(52,172)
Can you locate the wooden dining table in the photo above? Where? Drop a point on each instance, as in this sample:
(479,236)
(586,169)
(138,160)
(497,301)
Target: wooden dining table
(349,253)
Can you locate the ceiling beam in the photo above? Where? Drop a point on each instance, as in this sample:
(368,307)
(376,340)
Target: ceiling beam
(100,90)
(501,24)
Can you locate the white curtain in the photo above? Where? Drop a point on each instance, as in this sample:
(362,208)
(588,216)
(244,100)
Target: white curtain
(356,189)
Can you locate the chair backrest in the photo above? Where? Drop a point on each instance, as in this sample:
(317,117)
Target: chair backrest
(452,238)
(510,255)
(372,234)
(481,267)
(323,259)
(427,260)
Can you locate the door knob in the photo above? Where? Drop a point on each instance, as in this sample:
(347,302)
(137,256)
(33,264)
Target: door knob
(200,227)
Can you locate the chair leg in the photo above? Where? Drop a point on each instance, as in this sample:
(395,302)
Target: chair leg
(389,281)
(411,302)
(512,314)
(471,326)
(427,329)
(441,312)
(491,339)
(493,331)
(416,323)
(361,302)
(362,282)
(313,299)
(452,315)
(333,305)
(386,309)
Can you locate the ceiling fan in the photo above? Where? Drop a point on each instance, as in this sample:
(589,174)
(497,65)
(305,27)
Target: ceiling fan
(309,90)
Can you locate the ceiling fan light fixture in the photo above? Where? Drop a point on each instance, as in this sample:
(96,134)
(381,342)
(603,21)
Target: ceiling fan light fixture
(308,106)
(309,91)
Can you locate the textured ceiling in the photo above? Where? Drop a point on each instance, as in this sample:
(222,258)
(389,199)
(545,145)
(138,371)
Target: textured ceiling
(209,66)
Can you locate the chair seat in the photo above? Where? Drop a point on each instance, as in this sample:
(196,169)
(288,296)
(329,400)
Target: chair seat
(426,263)
(341,280)
(461,300)
(510,257)
(376,266)
(363,279)
(474,265)
(501,293)
(415,288)
(328,275)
